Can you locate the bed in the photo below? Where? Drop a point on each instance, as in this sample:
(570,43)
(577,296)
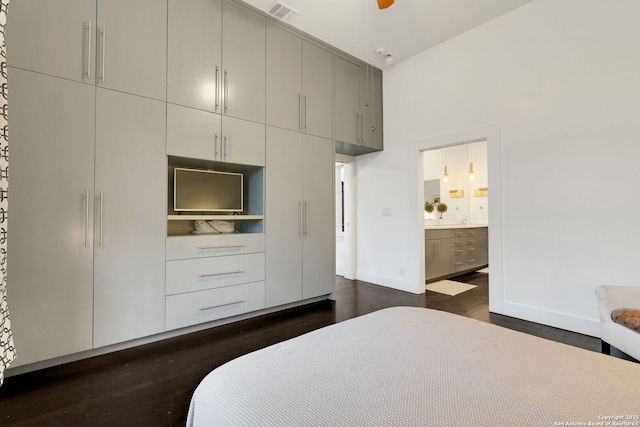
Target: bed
(408,366)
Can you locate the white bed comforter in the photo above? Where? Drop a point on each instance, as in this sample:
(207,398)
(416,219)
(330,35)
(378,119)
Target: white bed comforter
(408,366)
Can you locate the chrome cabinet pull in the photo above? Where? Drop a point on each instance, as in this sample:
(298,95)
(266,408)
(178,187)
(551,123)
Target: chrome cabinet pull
(217,88)
(215,145)
(306,218)
(299,217)
(86,218)
(101,200)
(88,39)
(458,264)
(305,113)
(103,33)
(299,111)
(221,274)
(208,248)
(471,261)
(226,91)
(221,305)
(225,148)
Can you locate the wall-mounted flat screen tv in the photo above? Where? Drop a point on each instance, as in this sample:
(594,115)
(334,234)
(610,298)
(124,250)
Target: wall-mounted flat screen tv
(196,190)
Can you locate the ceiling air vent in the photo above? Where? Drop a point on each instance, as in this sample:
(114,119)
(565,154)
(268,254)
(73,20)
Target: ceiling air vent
(282,11)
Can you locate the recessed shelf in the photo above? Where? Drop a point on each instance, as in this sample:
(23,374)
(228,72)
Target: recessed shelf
(215,217)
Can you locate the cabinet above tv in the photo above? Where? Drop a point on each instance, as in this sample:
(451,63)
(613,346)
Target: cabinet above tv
(247,219)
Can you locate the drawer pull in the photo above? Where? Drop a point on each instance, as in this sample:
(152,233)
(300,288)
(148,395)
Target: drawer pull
(220,274)
(459,263)
(458,252)
(471,233)
(210,307)
(471,261)
(459,242)
(210,248)
(471,249)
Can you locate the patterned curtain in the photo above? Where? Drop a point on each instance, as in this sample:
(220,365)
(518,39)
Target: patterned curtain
(7,350)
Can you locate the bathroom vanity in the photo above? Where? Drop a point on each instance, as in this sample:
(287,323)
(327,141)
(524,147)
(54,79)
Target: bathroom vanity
(451,250)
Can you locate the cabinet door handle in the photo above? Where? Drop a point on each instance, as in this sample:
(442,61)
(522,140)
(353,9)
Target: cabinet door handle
(362,127)
(225,95)
(103,33)
(209,307)
(88,40)
(299,217)
(458,252)
(209,248)
(101,235)
(458,264)
(306,218)
(299,111)
(225,149)
(217,88)
(215,146)
(221,274)
(86,218)
(358,128)
(305,113)
(471,261)
(437,247)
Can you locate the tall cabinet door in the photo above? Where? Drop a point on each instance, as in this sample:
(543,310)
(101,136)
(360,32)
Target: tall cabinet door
(50,246)
(130,217)
(132,46)
(319,259)
(283,217)
(371,107)
(243,58)
(53,37)
(347,101)
(284,79)
(317,89)
(195,53)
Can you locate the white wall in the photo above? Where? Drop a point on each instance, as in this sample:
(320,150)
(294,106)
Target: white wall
(561,80)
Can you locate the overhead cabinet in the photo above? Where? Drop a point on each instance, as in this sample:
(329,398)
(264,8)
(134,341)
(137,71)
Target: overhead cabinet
(299,84)
(358,108)
(300,258)
(216,58)
(94,42)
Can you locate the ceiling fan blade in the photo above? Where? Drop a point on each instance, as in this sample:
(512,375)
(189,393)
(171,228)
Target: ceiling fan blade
(383,4)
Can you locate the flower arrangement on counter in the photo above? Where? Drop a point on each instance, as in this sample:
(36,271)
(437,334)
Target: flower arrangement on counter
(428,207)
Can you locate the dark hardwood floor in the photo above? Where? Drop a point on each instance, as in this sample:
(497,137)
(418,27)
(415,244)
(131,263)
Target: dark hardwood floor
(151,385)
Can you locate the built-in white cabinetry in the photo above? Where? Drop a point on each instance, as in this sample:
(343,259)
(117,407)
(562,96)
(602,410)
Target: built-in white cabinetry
(50,241)
(299,84)
(94,42)
(130,226)
(299,217)
(216,58)
(212,277)
(358,108)
(87,256)
(200,134)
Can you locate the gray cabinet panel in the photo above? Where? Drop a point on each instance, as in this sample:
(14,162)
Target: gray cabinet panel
(283,217)
(371,108)
(50,237)
(317,85)
(243,58)
(53,37)
(194,57)
(130,228)
(347,101)
(132,46)
(284,79)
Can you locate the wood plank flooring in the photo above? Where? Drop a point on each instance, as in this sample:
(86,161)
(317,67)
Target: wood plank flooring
(152,385)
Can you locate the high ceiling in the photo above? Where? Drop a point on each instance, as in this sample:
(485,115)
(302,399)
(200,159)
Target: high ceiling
(358,27)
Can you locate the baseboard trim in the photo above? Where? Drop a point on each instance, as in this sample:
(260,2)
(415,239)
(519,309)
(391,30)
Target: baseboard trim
(390,282)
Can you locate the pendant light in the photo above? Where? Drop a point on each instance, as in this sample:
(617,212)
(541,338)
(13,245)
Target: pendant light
(472,174)
(445,176)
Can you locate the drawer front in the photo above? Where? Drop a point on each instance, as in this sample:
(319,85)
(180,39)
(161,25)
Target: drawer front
(470,232)
(462,241)
(205,306)
(436,234)
(186,247)
(189,275)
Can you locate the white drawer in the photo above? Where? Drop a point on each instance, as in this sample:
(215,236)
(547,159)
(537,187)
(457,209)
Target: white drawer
(199,246)
(204,306)
(188,275)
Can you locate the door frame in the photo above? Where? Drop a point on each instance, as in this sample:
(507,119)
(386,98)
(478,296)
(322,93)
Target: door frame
(492,134)
(349,167)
